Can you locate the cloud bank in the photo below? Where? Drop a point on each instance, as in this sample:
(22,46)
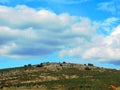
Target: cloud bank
(26,32)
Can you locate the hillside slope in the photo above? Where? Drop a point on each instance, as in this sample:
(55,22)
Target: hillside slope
(59,76)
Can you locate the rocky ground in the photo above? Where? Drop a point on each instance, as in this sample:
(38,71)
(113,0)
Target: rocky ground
(57,76)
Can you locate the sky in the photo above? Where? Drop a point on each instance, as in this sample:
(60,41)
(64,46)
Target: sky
(75,31)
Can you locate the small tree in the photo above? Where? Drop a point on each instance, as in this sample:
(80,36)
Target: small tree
(89,64)
(64,62)
(40,65)
(25,65)
(29,65)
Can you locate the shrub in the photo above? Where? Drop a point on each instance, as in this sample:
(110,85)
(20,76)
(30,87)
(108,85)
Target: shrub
(89,64)
(29,65)
(64,62)
(40,65)
(1,87)
(61,64)
(25,65)
(87,68)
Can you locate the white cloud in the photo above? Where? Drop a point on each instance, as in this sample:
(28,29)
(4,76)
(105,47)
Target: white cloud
(71,52)
(111,6)
(110,21)
(109,49)
(100,48)
(107,25)
(108,6)
(42,32)
(25,32)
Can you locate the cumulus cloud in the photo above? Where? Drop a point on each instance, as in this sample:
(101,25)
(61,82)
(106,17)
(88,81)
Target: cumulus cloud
(26,32)
(109,49)
(100,47)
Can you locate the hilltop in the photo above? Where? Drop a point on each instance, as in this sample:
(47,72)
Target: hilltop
(58,76)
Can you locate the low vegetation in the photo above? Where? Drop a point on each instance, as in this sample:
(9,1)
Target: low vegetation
(58,76)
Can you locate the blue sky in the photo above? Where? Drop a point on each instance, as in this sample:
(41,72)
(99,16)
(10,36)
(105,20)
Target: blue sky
(77,31)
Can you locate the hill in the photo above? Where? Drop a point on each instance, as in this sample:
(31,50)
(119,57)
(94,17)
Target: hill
(58,76)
